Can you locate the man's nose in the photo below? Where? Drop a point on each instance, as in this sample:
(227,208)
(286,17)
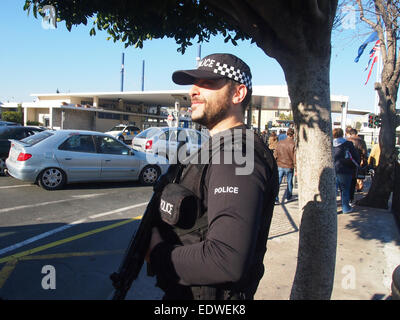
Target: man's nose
(194,91)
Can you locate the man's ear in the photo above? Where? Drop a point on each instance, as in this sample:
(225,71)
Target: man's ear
(239,94)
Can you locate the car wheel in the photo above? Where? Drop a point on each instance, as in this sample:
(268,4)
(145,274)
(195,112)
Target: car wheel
(52,179)
(149,175)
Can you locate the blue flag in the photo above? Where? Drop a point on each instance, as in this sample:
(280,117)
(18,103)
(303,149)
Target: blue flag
(371,38)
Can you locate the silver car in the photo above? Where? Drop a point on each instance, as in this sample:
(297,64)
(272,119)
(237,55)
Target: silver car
(165,140)
(54,158)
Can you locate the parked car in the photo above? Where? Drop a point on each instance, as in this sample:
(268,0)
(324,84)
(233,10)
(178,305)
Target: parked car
(8,123)
(124,132)
(54,158)
(12,132)
(164,140)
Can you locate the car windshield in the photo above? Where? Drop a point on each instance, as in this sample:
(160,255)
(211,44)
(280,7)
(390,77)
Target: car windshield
(150,132)
(117,128)
(37,137)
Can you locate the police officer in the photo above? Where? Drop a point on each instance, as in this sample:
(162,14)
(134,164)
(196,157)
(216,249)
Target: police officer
(216,251)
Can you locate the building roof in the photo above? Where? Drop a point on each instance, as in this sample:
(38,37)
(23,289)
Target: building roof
(271,97)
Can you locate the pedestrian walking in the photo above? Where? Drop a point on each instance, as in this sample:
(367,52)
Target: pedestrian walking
(361,147)
(272,141)
(285,155)
(373,159)
(344,155)
(282,135)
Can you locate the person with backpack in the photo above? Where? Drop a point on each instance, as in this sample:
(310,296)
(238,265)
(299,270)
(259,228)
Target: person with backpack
(346,159)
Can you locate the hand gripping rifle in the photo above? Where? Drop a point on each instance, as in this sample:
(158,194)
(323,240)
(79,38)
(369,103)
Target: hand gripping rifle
(134,256)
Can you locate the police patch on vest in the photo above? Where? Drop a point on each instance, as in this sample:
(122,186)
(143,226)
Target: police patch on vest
(226,189)
(166,207)
(178,206)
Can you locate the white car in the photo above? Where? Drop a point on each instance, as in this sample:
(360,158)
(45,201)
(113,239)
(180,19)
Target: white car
(124,132)
(54,158)
(164,141)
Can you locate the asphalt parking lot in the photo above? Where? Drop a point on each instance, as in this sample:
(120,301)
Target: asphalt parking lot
(64,244)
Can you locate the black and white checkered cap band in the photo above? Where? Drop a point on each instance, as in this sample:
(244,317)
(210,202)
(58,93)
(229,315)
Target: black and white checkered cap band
(235,74)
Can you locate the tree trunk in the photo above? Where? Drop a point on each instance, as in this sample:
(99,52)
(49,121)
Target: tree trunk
(309,91)
(384,179)
(396,195)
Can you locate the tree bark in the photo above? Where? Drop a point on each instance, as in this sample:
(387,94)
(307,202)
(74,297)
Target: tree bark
(383,182)
(309,91)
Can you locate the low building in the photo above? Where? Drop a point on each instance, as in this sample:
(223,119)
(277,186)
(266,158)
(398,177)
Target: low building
(100,111)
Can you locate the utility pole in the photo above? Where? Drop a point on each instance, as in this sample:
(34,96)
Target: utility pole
(143,75)
(122,72)
(198,58)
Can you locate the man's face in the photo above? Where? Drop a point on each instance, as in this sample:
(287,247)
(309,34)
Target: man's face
(211,100)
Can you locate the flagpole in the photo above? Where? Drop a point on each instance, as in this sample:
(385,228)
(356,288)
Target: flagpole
(378,74)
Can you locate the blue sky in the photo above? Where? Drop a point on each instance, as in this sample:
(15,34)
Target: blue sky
(38,60)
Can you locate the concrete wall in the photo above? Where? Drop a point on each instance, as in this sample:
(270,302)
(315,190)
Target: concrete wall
(77,119)
(103,125)
(37,114)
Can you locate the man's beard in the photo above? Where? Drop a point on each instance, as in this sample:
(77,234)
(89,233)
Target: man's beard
(213,112)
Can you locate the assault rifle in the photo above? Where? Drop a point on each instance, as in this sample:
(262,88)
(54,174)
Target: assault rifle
(134,256)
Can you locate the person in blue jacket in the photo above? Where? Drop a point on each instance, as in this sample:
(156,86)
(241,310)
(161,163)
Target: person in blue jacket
(346,159)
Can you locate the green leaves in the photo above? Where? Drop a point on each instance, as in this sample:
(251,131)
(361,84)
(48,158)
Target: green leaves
(134,22)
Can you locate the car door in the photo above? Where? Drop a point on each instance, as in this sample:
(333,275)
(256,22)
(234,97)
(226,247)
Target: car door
(78,158)
(118,161)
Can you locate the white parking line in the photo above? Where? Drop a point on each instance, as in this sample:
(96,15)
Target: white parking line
(17,186)
(117,210)
(67,226)
(87,196)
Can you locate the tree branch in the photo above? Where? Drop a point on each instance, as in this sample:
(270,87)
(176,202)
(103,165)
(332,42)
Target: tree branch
(363,18)
(250,21)
(375,26)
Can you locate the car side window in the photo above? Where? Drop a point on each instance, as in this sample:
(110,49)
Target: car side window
(132,129)
(164,135)
(108,145)
(78,143)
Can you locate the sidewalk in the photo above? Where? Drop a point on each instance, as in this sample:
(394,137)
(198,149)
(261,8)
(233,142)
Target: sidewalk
(368,251)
